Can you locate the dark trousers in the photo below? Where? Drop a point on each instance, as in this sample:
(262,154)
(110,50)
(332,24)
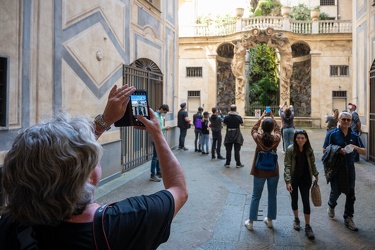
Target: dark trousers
(350,197)
(198,134)
(304,188)
(216,143)
(237,148)
(183,132)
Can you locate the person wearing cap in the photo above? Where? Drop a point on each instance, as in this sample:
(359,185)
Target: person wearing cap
(197,121)
(233,136)
(183,122)
(355,125)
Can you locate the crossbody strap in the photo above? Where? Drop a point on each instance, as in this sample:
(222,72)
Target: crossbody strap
(100,237)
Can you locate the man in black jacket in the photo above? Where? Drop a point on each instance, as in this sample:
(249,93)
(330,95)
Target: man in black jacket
(183,122)
(216,121)
(233,137)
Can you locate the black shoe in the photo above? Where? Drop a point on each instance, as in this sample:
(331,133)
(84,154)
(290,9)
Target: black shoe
(296,224)
(240,166)
(213,157)
(199,151)
(196,150)
(309,232)
(221,158)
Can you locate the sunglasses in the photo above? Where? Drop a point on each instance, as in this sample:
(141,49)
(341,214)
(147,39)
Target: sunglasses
(301,131)
(346,119)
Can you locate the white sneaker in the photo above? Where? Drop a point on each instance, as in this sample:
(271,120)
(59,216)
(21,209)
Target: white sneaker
(268,222)
(249,225)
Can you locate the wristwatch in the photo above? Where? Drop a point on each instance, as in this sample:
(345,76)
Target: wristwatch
(99,120)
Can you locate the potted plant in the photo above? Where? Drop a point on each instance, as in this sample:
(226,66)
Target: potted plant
(315,13)
(285,11)
(239,12)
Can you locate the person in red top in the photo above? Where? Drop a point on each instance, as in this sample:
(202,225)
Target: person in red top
(265,141)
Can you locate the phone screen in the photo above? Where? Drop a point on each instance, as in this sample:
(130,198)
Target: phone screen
(268,109)
(138,105)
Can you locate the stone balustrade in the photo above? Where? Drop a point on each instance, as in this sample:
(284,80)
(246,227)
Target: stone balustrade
(263,22)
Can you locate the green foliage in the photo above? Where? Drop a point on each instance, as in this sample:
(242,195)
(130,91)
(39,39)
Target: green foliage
(268,8)
(323,16)
(300,12)
(263,78)
(227,18)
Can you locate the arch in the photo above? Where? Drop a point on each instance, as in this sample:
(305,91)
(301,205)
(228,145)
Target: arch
(300,82)
(251,40)
(225,80)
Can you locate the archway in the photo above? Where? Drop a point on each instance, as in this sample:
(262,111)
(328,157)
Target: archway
(300,81)
(251,40)
(225,80)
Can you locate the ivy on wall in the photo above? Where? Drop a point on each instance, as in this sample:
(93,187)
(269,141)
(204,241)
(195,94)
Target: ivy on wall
(263,76)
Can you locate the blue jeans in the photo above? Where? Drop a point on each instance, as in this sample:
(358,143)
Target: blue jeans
(288,134)
(350,197)
(154,163)
(183,132)
(257,194)
(204,142)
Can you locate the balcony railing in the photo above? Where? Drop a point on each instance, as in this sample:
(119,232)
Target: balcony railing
(277,23)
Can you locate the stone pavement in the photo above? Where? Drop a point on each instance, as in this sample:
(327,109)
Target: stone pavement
(219,201)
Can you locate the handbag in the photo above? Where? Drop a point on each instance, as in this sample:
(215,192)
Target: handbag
(266,160)
(316,198)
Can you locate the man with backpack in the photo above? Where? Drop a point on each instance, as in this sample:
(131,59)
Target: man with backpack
(197,121)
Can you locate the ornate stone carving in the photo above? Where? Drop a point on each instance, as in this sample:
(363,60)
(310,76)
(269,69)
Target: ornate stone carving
(238,69)
(250,40)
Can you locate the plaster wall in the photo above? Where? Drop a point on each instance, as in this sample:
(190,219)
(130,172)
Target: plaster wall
(66,55)
(201,56)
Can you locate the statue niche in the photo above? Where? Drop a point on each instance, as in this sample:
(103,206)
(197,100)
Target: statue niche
(251,40)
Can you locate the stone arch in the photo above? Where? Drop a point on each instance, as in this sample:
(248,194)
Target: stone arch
(251,40)
(300,82)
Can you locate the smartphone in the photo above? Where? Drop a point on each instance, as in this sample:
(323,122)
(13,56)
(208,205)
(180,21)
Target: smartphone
(268,110)
(138,105)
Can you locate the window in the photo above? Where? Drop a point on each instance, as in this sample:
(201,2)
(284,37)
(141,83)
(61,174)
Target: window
(193,71)
(338,94)
(194,93)
(339,70)
(155,3)
(327,2)
(3,90)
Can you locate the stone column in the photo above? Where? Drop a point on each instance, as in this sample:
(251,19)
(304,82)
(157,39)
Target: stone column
(238,70)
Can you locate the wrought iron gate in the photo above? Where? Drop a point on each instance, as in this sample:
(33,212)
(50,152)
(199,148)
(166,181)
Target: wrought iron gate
(136,146)
(371,146)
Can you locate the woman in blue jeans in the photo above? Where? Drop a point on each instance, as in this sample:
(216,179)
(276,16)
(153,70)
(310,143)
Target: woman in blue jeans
(287,118)
(266,141)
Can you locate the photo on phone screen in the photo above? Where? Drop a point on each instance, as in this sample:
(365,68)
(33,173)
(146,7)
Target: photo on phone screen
(138,105)
(268,110)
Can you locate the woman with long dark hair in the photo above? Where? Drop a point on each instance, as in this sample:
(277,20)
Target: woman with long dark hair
(299,168)
(268,140)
